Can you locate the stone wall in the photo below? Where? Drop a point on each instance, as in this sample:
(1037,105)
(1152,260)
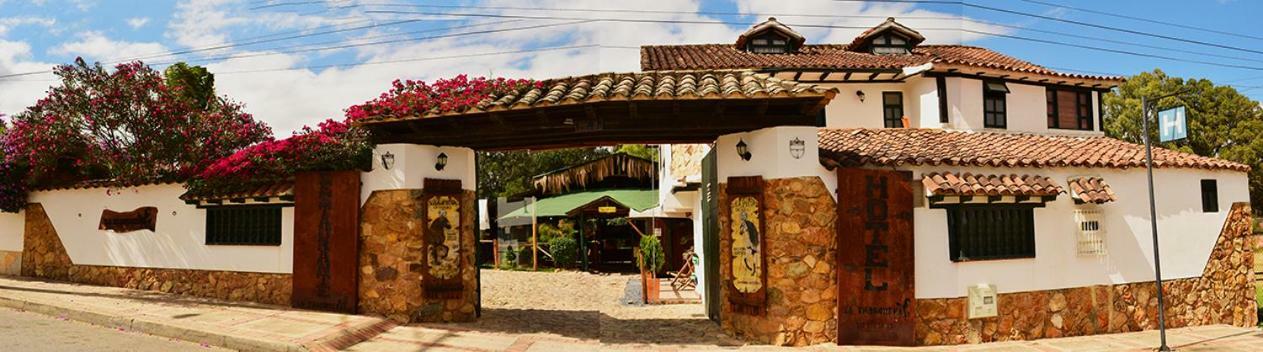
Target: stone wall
(46,258)
(1224,294)
(390,261)
(686,159)
(802,287)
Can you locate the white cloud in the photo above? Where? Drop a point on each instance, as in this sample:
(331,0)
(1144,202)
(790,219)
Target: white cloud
(7,23)
(137,22)
(288,99)
(16,93)
(95,46)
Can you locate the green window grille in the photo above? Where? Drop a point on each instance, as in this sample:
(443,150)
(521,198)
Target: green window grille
(982,232)
(244,225)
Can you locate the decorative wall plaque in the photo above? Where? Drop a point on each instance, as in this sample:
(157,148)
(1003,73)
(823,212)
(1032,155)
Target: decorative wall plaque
(441,238)
(747,245)
(144,218)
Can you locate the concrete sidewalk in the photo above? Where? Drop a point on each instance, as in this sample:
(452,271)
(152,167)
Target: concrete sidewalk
(238,326)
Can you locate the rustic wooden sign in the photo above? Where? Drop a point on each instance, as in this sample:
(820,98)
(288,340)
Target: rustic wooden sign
(143,218)
(876,301)
(441,238)
(746,245)
(326,241)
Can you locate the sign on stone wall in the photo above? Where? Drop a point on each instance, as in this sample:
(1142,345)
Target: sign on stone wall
(747,245)
(144,218)
(876,302)
(441,244)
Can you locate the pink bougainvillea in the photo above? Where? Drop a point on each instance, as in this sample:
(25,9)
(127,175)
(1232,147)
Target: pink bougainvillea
(333,145)
(418,98)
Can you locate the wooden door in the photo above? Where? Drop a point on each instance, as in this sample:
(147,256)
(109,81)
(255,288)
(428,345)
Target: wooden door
(876,301)
(326,241)
(710,234)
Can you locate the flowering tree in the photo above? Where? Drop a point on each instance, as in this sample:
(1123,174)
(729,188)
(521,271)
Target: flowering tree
(12,187)
(126,125)
(415,98)
(334,145)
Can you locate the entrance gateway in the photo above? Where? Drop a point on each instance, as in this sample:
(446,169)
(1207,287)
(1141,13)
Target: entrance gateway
(774,121)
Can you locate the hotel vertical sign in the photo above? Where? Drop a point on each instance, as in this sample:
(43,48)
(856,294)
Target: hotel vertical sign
(876,302)
(441,245)
(746,246)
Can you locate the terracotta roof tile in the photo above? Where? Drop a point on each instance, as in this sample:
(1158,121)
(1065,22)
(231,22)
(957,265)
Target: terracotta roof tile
(910,146)
(654,85)
(261,190)
(1091,190)
(967,184)
(836,57)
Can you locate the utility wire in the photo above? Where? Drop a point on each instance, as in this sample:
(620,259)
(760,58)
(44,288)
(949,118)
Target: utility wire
(432,58)
(784,15)
(1142,19)
(1075,22)
(337,47)
(1037,40)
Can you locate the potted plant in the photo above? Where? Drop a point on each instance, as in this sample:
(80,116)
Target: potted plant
(651,259)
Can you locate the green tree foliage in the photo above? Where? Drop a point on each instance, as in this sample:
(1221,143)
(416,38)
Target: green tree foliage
(508,173)
(644,151)
(1222,122)
(562,245)
(192,84)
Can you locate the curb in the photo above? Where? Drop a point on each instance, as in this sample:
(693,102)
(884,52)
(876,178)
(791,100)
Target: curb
(333,342)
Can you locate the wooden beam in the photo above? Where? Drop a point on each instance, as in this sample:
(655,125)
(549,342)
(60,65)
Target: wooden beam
(798,75)
(874,76)
(825,76)
(847,77)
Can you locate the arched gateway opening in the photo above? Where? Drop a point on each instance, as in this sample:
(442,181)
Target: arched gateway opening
(418,226)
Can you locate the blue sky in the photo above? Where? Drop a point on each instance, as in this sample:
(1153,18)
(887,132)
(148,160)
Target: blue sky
(299,81)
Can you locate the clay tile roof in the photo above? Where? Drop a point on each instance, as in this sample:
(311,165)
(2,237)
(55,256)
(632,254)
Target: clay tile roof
(838,57)
(103,183)
(967,184)
(1091,190)
(653,85)
(260,190)
(913,146)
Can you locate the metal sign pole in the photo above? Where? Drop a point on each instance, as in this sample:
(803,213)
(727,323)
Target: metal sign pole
(1153,219)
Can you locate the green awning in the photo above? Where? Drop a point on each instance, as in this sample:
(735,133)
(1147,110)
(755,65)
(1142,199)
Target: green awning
(634,199)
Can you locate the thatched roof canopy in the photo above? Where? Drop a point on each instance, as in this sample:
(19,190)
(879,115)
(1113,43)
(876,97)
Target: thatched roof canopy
(593,172)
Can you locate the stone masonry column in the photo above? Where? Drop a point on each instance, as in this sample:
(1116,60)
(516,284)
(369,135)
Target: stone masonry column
(397,213)
(798,211)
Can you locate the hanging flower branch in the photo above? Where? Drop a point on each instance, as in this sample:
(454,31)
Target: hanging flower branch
(334,145)
(417,98)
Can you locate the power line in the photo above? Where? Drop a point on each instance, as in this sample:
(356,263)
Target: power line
(1045,41)
(1142,19)
(450,35)
(432,58)
(1080,23)
(720,13)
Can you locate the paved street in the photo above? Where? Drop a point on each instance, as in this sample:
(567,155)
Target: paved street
(26,331)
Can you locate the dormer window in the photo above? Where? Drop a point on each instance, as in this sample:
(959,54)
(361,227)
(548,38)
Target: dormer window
(889,43)
(768,44)
(770,37)
(888,38)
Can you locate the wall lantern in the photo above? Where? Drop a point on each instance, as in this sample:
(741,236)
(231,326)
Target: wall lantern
(797,147)
(860,94)
(442,162)
(388,160)
(743,150)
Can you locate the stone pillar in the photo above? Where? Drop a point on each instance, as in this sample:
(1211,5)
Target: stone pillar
(392,228)
(799,212)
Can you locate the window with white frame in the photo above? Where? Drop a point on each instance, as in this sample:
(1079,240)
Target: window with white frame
(1090,234)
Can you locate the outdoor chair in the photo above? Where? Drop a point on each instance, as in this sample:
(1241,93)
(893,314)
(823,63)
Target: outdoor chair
(684,278)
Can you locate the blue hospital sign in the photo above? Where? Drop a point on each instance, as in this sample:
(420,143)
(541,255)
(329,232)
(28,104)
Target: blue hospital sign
(1172,124)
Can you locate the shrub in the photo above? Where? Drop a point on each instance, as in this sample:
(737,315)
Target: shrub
(509,259)
(565,250)
(651,257)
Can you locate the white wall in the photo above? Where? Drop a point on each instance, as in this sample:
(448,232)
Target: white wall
(12,227)
(413,164)
(1187,234)
(847,111)
(177,243)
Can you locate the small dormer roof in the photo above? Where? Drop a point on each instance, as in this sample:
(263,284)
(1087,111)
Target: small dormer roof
(795,39)
(865,39)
